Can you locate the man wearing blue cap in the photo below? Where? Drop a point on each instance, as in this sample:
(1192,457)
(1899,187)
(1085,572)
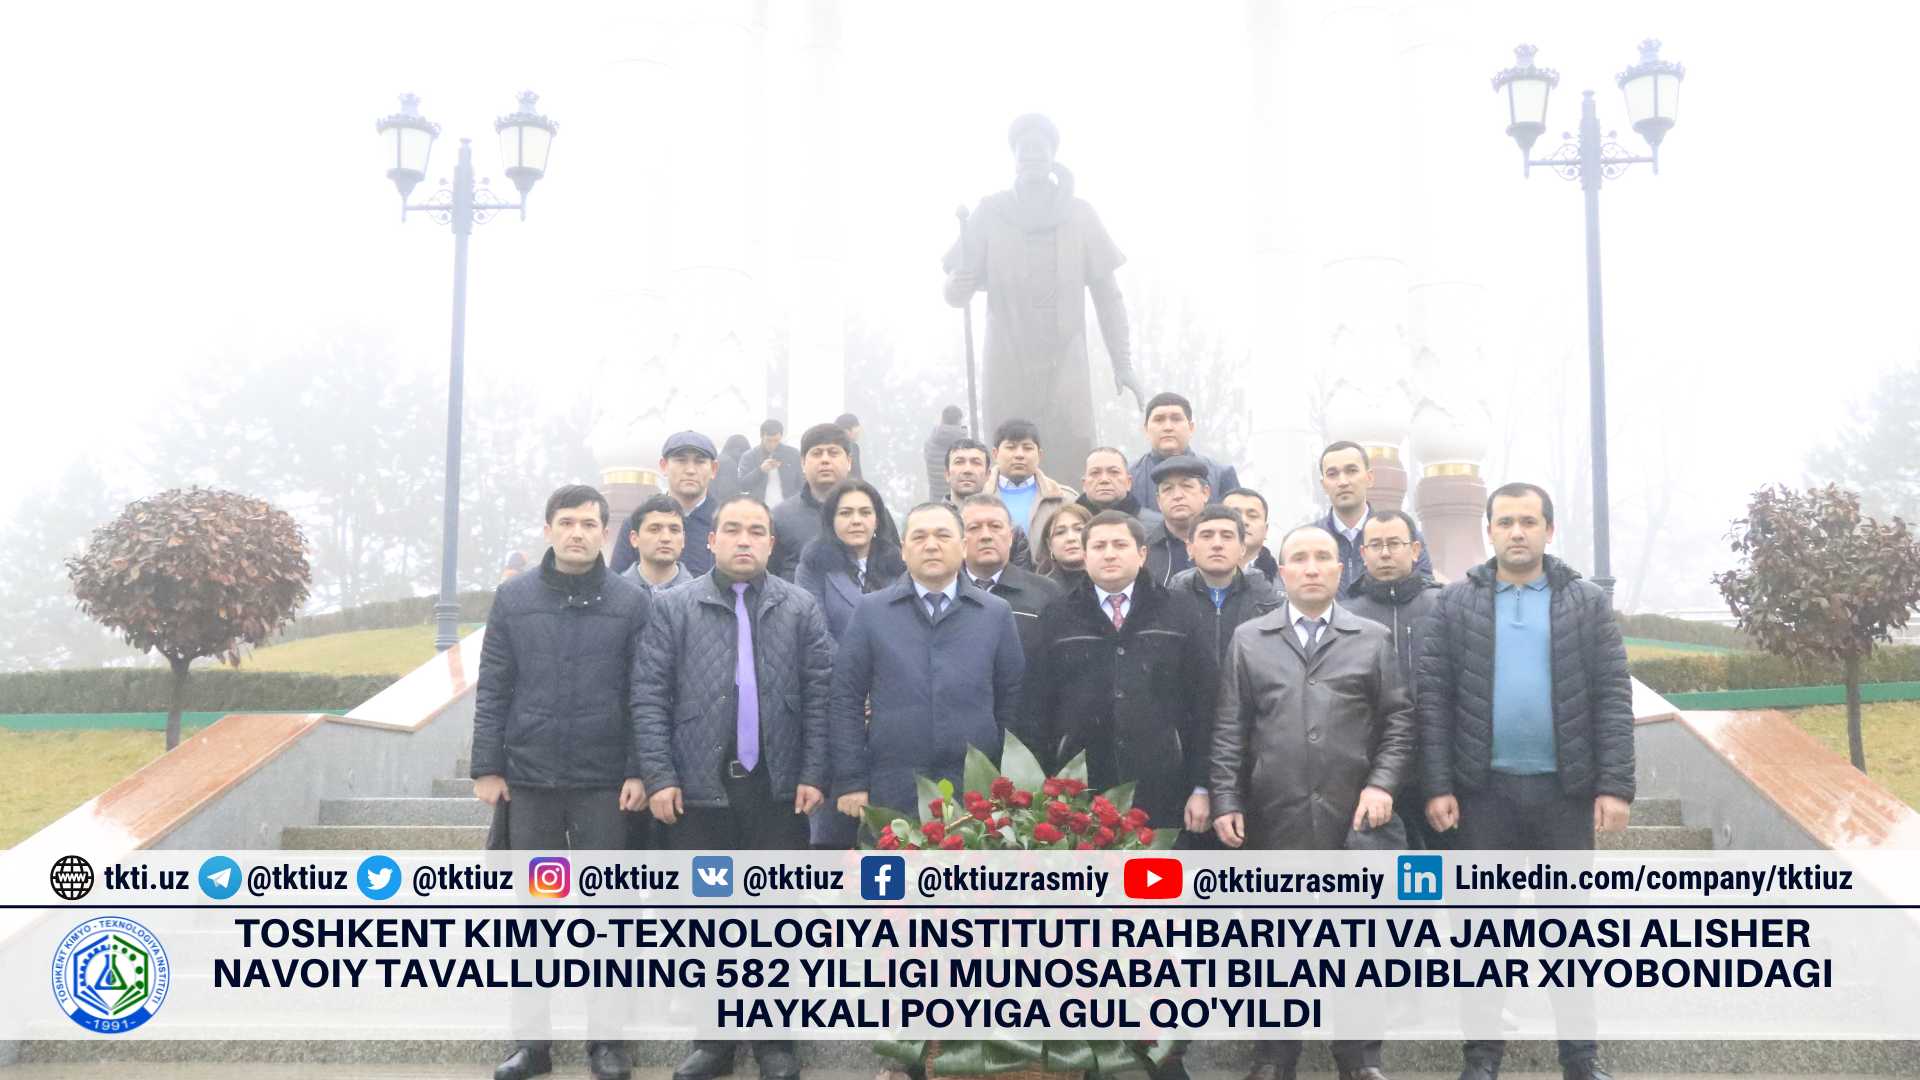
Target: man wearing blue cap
(686,472)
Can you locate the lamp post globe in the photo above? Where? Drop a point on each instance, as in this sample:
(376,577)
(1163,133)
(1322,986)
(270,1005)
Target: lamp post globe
(1525,88)
(525,139)
(409,144)
(1652,89)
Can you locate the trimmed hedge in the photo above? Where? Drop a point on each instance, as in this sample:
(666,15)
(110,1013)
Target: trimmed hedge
(1762,671)
(1684,631)
(385,615)
(125,690)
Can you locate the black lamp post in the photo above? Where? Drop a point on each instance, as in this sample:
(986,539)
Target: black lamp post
(1652,89)
(525,138)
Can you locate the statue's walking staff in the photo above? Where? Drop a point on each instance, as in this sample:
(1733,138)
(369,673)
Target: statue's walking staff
(966,323)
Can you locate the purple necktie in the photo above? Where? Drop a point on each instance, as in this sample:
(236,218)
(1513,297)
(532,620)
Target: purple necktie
(746,724)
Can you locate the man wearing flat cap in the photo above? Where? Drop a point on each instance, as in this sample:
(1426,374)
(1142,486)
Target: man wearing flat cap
(1182,486)
(1037,250)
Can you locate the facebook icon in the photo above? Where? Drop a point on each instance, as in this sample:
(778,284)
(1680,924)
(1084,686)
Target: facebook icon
(713,875)
(883,877)
(1419,877)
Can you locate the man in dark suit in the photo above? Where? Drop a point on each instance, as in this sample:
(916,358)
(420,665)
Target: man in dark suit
(989,551)
(938,660)
(730,687)
(1312,736)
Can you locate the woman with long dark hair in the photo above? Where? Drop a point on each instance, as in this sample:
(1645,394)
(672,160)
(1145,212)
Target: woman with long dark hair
(1061,553)
(857,552)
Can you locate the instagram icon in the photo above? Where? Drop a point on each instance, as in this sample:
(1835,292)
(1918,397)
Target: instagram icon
(549,878)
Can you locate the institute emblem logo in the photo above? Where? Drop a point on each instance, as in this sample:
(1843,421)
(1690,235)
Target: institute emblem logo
(110,974)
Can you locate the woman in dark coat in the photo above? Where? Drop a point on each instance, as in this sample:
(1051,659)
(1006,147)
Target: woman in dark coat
(857,552)
(1062,553)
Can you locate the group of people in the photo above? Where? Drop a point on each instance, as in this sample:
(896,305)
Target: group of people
(761,673)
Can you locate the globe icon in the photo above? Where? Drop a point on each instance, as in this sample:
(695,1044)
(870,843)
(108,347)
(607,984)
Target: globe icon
(72,877)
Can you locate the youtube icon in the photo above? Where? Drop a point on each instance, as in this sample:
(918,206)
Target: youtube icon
(1157,878)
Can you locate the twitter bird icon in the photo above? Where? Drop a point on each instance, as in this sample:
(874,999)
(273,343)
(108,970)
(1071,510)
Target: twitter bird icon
(378,877)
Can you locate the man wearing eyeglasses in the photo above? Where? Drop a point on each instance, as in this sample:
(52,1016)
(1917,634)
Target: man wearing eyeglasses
(1398,596)
(1346,475)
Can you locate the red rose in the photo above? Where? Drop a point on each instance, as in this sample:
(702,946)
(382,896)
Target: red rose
(887,829)
(933,831)
(937,808)
(1101,805)
(1046,833)
(1022,799)
(1073,787)
(983,811)
(1108,815)
(973,798)
(1051,788)
(1145,834)
(1058,812)
(1080,822)
(887,842)
(1002,788)
(1001,822)
(1135,818)
(1103,838)
(953,843)
(1083,846)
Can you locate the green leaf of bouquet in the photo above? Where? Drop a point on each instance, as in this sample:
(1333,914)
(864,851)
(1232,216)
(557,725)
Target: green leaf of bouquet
(1069,1055)
(980,772)
(1075,769)
(1121,796)
(1164,839)
(927,793)
(905,1051)
(1018,764)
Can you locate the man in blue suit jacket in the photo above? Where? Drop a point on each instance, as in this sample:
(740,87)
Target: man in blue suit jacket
(939,662)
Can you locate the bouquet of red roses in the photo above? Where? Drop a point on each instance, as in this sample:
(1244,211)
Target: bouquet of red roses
(1015,806)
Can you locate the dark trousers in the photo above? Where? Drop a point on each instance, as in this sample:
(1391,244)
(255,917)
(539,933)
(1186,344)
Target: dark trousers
(1517,813)
(752,820)
(1347,1053)
(559,819)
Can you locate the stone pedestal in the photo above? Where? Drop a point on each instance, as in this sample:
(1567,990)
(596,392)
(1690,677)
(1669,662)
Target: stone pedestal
(625,490)
(1452,506)
(1389,478)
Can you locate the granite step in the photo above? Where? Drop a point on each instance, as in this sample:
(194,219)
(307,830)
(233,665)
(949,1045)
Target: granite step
(453,787)
(1657,838)
(405,811)
(383,838)
(1656,812)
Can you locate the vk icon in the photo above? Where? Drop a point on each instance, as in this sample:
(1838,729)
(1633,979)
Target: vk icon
(1419,877)
(219,877)
(883,877)
(378,877)
(713,875)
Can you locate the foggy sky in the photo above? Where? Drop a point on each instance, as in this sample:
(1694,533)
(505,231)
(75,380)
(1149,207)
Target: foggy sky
(201,185)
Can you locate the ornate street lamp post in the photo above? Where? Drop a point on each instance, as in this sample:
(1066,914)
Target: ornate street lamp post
(525,138)
(1652,89)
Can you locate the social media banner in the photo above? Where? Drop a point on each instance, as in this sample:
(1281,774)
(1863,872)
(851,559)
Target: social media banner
(867,945)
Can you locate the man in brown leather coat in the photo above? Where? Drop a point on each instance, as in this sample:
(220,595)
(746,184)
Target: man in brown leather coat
(1313,712)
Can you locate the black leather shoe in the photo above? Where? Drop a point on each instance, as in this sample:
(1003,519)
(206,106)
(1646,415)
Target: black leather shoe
(706,1062)
(1585,1070)
(777,1063)
(1174,1068)
(609,1061)
(1480,1070)
(523,1063)
(1268,1070)
(1365,1072)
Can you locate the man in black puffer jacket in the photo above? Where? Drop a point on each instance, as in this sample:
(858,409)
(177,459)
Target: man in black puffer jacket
(553,746)
(1526,716)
